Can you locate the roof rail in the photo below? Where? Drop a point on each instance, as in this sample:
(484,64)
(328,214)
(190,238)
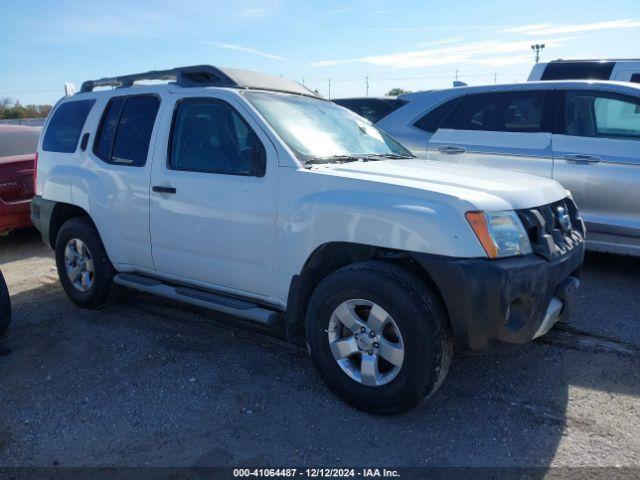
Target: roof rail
(205,76)
(199,75)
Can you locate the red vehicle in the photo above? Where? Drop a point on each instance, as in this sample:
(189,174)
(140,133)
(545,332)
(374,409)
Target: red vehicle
(18,145)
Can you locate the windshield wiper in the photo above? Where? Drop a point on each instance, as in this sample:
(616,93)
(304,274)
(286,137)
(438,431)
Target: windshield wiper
(391,156)
(333,159)
(356,157)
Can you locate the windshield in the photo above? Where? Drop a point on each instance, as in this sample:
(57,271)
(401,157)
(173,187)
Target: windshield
(319,130)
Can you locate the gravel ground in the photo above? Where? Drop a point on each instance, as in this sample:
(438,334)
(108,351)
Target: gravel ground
(149,382)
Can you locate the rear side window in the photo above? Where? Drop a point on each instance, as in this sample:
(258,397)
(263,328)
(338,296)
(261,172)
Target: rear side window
(503,112)
(578,71)
(434,118)
(65,126)
(107,132)
(125,130)
(373,109)
(635,78)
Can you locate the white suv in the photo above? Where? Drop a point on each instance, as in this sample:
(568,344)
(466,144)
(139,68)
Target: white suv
(248,194)
(622,70)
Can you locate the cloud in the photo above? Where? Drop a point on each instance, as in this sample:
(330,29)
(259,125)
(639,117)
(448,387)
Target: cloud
(340,10)
(482,53)
(551,29)
(427,29)
(444,41)
(239,48)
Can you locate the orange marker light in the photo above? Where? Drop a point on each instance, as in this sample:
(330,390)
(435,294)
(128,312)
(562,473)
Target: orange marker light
(478,222)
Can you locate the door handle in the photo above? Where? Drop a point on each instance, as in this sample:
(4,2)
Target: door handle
(451,149)
(160,189)
(580,159)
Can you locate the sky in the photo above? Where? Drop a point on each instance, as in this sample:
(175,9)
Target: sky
(411,44)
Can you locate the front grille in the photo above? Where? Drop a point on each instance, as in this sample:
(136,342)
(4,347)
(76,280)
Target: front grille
(553,229)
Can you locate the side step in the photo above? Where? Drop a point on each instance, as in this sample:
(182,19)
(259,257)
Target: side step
(200,298)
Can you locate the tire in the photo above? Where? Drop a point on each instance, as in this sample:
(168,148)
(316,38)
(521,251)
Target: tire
(87,294)
(5,306)
(420,329)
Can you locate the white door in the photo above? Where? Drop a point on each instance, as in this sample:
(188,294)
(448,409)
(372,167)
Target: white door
(213,197)
(118,183)
(507,130)
(598,159)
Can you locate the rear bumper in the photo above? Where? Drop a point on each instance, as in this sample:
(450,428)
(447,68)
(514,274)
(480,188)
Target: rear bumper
(496,304)
(14,215)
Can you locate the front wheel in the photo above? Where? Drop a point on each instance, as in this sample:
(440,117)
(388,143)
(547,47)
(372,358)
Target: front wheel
(378,336)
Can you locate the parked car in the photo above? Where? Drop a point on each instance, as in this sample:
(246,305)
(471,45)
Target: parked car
(249,195)
(5,306)
(17,155)
(586,135)
(373,109)
(624,70)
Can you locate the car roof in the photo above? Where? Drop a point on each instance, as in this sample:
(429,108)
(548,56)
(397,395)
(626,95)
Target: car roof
(593,60)
(8,128)
(150,89)
(386,97)
(543,84)
(201,76)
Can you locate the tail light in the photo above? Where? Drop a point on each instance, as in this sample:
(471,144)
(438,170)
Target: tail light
(35,174)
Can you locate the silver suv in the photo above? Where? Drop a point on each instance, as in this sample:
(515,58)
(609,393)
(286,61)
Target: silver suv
(586,135)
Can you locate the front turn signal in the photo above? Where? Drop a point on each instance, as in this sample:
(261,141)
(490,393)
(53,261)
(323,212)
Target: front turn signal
(478,222)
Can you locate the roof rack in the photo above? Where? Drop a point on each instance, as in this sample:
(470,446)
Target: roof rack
(205,76)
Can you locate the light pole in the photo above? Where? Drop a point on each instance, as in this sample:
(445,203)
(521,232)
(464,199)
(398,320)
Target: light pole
(538,47)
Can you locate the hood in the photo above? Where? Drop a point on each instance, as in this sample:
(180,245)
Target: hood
(486,188)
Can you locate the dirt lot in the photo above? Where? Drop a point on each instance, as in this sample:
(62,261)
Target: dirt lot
(147,382)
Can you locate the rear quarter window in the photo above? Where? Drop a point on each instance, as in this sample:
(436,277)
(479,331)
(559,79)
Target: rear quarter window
(66,125)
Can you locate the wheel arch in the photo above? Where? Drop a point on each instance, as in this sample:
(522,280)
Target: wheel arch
(330,257)
(61,213)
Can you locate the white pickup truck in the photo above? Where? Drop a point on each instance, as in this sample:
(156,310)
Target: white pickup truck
(249,195)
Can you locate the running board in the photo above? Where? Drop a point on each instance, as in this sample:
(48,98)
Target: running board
(200,298)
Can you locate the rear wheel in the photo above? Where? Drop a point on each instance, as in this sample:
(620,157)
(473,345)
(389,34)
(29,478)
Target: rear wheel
(5,306)
(378,336)
(84,269)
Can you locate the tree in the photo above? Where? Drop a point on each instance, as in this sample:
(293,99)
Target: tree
(394,92)
(4,104)
(13,110)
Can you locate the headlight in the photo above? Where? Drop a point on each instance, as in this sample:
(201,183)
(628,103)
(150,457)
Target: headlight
(500,233)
